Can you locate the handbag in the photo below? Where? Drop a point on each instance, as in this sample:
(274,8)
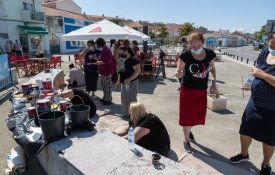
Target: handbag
(263,93)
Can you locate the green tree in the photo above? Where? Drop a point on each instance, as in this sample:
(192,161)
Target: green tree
(201,29)
(260,33)
(116,21)
(163,32)
(186,29)
(152,35)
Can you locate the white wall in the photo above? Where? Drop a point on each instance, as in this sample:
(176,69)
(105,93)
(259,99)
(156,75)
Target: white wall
(2,9)
(16,6)
(14,31)
(38,5)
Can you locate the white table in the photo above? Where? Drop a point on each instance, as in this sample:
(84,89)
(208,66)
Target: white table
(57,74)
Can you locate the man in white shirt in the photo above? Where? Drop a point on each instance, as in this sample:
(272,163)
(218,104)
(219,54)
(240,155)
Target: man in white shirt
(76,77)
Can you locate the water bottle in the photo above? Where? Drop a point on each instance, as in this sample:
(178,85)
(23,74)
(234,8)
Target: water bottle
(131,139)
(126,87)
(56,97)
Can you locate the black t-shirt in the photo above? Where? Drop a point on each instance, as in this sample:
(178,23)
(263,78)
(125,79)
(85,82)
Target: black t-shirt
(197,72)
(86,99)
(128,69)
(158,135)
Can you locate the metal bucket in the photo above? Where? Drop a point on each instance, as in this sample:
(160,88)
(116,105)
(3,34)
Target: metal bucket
(78,115)
(52,124)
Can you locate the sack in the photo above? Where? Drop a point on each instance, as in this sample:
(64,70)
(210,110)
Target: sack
(20,135)
(15,119)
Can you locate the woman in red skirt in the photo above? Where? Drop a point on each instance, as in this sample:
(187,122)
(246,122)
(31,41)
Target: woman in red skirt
(195,64)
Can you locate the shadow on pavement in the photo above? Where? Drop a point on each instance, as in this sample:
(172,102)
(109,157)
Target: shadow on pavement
(225,112)
(149,87)
(210,154)
(172,155)
(220,82)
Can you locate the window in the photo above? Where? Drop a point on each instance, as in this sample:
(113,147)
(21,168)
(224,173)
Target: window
(27,6)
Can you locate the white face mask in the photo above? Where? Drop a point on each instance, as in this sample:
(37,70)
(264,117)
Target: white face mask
(272,52)
(198,51)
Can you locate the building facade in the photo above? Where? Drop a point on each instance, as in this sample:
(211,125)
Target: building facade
(23,20)
(60,22)
(66,5)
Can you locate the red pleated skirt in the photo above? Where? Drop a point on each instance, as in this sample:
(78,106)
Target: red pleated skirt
(193,105)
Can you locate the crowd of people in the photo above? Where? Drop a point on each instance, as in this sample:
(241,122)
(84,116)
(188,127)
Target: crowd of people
(195,63)
(15,48)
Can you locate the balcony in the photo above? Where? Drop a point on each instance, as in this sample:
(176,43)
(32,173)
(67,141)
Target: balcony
(29,16)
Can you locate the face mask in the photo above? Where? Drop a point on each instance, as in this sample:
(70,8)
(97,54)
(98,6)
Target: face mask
(198,51)
(272,52)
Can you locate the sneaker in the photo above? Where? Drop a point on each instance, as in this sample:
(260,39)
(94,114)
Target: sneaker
(239,158)
(191,137)
(187,147)
(266,170)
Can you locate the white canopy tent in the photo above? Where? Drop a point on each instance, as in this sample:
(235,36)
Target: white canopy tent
(104,29)
(135,32)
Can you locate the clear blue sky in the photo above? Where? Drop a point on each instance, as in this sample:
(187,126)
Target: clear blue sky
(243,15)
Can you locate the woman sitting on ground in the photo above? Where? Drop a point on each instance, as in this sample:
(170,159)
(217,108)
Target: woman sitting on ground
(149,130)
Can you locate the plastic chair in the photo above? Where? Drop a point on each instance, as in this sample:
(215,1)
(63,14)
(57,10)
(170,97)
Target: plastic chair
(22,65)
(78,61)
(51,64)
(58,62)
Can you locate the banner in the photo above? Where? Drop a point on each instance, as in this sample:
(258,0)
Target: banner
(5,75)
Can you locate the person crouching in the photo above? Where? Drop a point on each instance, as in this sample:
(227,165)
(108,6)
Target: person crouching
(150,132)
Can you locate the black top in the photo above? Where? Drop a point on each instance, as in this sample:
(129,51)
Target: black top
(92,67)
(86,99)
(158,135)
(197,72)
(128,69)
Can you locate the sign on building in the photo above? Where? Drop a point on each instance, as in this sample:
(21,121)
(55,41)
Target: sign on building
(5,76)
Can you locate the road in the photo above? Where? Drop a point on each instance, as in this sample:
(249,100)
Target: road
(245,52)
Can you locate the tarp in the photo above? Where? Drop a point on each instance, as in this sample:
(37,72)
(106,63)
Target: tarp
(104,29)
(138,33)
(33,29)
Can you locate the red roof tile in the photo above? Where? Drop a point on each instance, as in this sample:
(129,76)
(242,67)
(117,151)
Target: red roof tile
(57,12)
(135,25)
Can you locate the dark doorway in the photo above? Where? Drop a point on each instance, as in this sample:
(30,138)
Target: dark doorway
(24,42)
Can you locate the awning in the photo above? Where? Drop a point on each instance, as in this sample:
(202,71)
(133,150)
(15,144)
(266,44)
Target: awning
(33,30)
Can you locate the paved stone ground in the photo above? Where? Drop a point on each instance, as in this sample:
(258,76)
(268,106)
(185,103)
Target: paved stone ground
(216,141)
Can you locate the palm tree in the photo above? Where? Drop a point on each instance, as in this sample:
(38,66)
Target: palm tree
(186,29)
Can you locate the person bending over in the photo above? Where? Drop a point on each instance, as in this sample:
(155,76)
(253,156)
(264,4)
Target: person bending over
(79,96)
(149,130)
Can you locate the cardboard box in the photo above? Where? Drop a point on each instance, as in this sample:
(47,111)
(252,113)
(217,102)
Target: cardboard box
(216,104)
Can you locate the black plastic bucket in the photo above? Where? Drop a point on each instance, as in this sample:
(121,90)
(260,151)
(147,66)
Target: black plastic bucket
(78,115)
(52,124)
